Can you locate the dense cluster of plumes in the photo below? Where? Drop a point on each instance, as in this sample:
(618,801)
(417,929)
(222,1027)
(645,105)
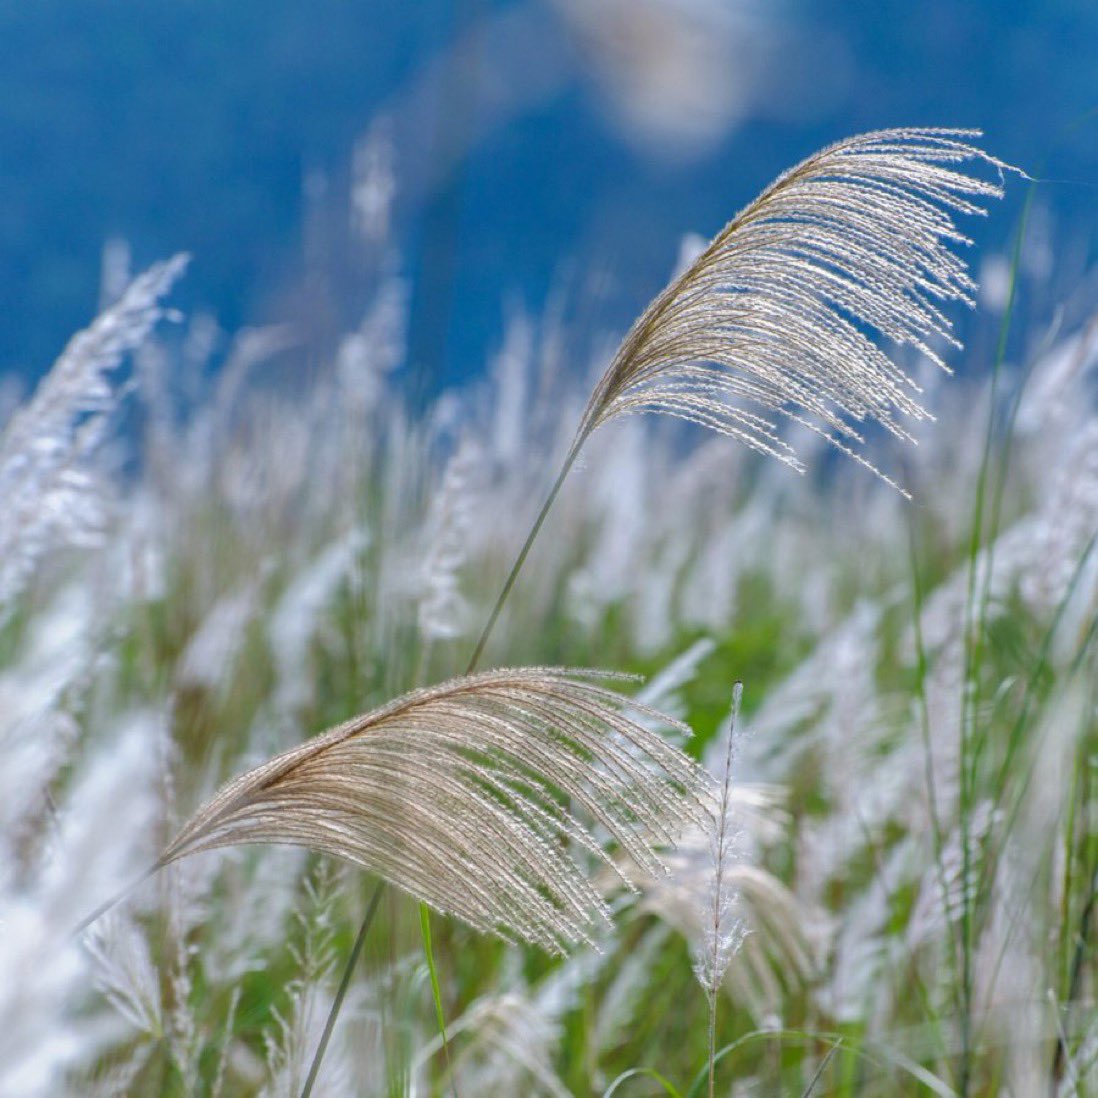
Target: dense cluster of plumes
(906,846)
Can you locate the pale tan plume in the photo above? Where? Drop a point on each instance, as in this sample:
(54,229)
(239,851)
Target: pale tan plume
(482,797)
(774,317)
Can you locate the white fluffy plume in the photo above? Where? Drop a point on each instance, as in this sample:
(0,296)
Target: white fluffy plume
(473,796)
(774,316)
(49,496)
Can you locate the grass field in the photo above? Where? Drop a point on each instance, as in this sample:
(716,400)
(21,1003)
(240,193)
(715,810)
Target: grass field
(913,850)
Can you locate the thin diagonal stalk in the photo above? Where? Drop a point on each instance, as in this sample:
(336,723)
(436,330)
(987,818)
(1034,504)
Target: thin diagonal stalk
(821,1069)
(520,560)
(425,928)
(341,994)
(117,898)
(976,603)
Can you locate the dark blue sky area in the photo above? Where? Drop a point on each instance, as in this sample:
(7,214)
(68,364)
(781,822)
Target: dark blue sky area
(539,152)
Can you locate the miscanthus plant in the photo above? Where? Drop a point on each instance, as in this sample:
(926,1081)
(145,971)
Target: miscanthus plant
(913,862)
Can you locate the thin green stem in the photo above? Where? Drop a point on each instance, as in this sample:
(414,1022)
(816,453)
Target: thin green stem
(877,1055)
(341,994)
(1082,945)
(995,856)
(425,929)
(976,604)
(641,1073)
(520,560)
(873,846)
(821,1069)
(712,1003)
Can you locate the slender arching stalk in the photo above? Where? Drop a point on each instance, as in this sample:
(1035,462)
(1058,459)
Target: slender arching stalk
(117,898)
(520,560)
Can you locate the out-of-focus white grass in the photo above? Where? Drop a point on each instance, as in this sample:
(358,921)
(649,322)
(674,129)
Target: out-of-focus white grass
(263,577)
(88,844)
(298,1025)
(50,492)
(830,713)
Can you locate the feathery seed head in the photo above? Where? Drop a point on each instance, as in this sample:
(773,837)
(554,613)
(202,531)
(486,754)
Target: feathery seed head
(50,497)
(463,794)
(771,319)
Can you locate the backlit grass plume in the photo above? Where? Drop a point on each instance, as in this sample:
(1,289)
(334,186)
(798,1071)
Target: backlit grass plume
(472,795)
(774,316)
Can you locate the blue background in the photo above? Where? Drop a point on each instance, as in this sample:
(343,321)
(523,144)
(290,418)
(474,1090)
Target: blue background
(194,125)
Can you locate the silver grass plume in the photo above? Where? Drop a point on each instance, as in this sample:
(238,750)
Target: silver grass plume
(724,924)
(49,498)
(469,795)
(772,318)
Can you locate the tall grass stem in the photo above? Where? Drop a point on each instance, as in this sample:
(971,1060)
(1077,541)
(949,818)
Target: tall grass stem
(520,560)
(720,946)
(344,984)
(440,1016)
